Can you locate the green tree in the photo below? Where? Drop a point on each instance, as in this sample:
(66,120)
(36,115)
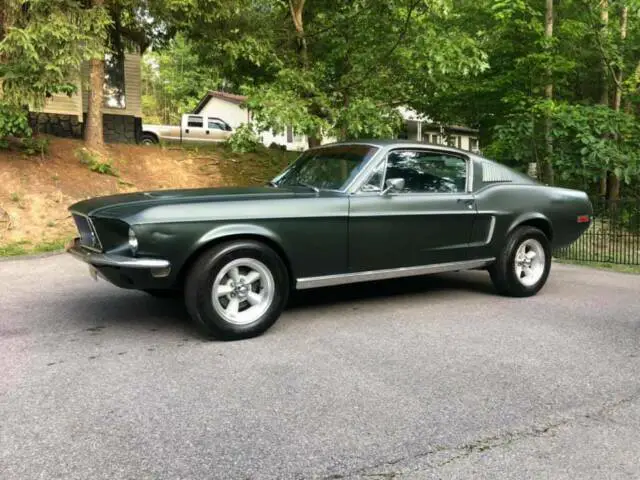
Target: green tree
(42,45)
(173,81)
(589,59)
(329,66)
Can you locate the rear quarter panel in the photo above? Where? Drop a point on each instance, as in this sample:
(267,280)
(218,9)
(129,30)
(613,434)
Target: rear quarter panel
(503,207)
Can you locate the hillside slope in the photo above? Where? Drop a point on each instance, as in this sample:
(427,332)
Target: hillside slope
(35,192)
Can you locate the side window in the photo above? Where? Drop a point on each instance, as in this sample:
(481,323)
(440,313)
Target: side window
(216,125)
(427,172)
(195,122)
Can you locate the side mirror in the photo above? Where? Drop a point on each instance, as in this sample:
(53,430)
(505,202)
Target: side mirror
(393,184)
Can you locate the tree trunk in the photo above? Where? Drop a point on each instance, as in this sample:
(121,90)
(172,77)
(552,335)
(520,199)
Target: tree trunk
(94,136)
(604,96)
(604,25)
(314,141)
(547,171)
(613,182)
(297,7)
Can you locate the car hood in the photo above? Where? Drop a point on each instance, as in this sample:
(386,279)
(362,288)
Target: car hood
(128,203)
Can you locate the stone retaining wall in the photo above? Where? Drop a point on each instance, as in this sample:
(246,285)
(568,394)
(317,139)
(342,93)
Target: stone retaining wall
(117,128)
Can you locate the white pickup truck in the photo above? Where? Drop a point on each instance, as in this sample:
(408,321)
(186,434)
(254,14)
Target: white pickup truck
(193,128)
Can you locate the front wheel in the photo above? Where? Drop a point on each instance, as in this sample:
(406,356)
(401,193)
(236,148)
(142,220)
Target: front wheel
(523,266)
(236,290)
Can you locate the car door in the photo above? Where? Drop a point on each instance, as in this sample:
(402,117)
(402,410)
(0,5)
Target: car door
(193,128)
(428,221)
(217,131)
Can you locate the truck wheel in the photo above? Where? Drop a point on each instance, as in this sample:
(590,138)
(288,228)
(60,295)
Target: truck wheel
(236,290)
(148,139)
(523,266)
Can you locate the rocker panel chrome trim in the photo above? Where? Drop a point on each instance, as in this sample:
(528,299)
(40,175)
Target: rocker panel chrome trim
(372,275)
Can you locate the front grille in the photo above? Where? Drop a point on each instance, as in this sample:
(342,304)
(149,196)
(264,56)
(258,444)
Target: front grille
(88,237)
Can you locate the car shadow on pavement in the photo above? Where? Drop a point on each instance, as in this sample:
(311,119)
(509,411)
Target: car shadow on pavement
(477,281)
(136,311)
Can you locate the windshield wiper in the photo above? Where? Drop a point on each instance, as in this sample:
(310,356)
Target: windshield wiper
(273,184)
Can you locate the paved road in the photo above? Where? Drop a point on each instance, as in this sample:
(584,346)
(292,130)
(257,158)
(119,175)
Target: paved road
(437,378)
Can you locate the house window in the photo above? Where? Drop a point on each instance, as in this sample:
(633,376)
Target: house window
(434,138)
(289,134)
(114,82)
(473,144)
(460,142)
(451,140)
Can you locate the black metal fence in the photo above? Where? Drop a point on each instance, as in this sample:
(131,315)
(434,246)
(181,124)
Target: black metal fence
(613,237)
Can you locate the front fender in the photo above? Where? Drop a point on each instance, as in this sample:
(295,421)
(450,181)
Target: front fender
(236,230)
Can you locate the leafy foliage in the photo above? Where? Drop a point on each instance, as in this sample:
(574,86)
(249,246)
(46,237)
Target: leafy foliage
(35,146)
(325,70)
(13,121)
(43,48)
(173,82)
(244,139)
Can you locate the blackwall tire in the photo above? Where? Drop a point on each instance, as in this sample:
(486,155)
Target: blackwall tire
(148,139)
(236,290)
(523,266)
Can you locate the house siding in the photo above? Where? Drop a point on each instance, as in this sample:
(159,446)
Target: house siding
(230,112)
(132,88)
(61,104)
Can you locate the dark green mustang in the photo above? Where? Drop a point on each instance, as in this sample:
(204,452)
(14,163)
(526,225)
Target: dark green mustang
(341,213)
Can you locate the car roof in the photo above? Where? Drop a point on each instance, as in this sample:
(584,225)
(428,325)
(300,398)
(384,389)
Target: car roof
(390,143)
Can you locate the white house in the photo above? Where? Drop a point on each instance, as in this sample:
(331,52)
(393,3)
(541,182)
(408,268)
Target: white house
(418,127)
(229,107)
(422,128)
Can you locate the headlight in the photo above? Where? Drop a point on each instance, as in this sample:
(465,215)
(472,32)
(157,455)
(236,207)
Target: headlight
(133,241)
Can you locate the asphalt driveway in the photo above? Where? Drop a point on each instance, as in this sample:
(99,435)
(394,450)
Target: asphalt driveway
(429,378)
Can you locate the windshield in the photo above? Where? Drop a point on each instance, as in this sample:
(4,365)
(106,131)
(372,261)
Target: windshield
(330,168)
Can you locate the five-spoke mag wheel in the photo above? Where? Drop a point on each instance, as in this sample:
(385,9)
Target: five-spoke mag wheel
(243,290)
(523,265)
(237,289)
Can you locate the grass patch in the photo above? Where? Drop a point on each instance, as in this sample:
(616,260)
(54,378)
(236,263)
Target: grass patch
(614,267)
(253,169)
(25,247)
(14,249)
(51,246)
(94,162)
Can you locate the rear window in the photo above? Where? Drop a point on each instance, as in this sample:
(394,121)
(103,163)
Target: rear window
(195,122)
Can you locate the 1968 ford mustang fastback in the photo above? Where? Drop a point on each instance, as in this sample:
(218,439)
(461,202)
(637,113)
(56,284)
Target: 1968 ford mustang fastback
(341,213)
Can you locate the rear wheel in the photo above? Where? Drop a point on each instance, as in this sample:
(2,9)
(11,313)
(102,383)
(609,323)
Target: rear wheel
(523,266)
(236,290)
(148,139)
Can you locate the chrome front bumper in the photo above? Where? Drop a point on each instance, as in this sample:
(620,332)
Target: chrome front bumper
(158,267)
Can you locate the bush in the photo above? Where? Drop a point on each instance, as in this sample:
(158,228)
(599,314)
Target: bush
(35,146)
(244,140)
(13,122)
(93,161)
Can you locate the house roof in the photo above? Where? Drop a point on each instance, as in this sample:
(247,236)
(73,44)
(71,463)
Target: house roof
(229,97)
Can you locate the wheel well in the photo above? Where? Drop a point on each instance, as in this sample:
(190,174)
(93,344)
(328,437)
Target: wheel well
(540,224)
(259,238)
